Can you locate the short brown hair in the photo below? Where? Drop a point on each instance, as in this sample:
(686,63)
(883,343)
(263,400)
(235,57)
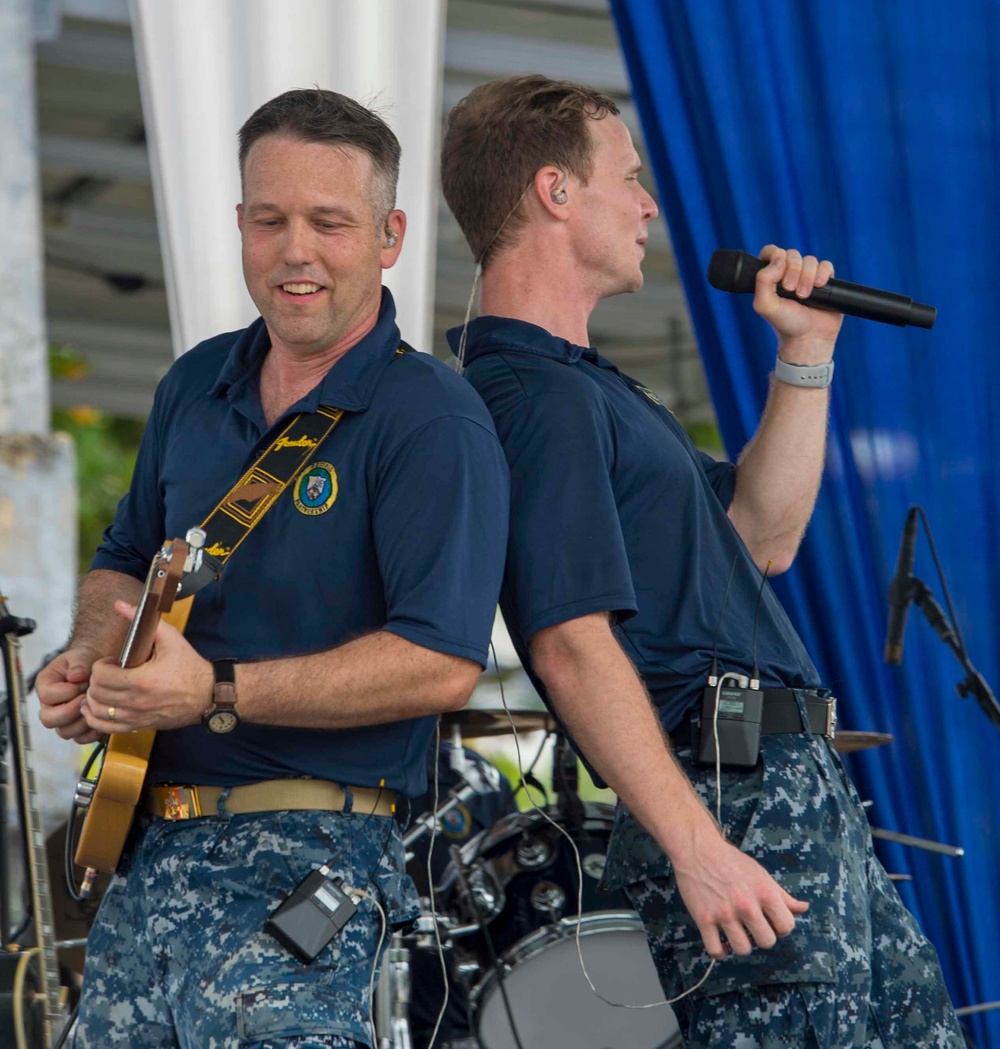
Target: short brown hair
(498,137)
(317,115)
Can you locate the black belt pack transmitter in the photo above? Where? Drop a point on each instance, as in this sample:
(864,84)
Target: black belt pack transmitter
(738,718)
(311,915)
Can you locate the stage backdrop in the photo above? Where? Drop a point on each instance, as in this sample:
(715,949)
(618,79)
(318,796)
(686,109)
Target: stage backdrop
(867,134)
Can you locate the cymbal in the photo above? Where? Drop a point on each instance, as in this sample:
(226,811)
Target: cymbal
(473,723)
(849,742)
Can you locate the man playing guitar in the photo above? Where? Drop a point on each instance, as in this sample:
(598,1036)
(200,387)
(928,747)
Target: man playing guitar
(299,701)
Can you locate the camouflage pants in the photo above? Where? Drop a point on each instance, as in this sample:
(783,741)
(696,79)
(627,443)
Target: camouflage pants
(856,971)
(178,959)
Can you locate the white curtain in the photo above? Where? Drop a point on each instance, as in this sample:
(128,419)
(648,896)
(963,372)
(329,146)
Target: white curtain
(205,67)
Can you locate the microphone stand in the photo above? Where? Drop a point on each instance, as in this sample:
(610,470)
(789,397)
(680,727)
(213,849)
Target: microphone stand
(974,683)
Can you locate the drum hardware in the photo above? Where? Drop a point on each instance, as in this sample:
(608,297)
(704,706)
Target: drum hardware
(476,723)
(968,1010)
(847,742)
(477,780)
(431,930)
(535,945)
(547,898)
(533,853)
(565,782)
(392,997)
(495,963)
(918,843)
(909,839)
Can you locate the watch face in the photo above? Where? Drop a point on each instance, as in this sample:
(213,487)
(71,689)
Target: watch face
(223,721)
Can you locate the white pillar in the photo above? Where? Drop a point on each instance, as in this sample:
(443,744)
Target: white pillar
(205,67)
(38,506)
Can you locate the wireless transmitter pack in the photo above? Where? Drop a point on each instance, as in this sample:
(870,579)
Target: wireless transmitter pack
(309,918)
(739,715)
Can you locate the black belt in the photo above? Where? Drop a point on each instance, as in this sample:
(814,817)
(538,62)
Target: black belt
(780,713)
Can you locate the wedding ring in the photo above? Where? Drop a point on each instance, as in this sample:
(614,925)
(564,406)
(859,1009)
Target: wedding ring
(111,713)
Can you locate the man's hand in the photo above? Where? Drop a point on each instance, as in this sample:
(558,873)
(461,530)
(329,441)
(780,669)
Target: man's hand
(172,689)
(726,891)
(805,336)
(61,687)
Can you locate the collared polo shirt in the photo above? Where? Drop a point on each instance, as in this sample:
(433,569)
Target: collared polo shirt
(614,509)
(399,524)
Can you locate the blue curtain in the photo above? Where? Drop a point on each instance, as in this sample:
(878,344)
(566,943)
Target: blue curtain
(869,134)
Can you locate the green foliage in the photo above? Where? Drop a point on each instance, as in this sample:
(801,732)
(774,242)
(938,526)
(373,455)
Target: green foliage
(105,456)
(587,789)
(106,448)
(706,436)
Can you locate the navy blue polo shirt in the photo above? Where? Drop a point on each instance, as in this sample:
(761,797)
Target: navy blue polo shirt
(614,509)
(412,490)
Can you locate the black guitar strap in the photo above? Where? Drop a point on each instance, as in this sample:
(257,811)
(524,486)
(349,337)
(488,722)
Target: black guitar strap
(243,506)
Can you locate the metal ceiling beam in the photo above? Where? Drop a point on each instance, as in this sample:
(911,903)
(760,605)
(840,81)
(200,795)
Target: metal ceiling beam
(99,158)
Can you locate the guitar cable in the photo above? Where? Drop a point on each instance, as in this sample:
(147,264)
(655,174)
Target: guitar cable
(71,826)
(67,1030)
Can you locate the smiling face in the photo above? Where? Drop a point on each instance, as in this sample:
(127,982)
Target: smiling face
(313,247)
(614,212)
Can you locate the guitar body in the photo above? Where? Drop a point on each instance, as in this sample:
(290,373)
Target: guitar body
(115,795)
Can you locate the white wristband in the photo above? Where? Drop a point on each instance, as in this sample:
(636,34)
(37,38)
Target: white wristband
(817,375)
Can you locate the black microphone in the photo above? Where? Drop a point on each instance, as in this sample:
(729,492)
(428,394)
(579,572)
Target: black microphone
(901,591)
(736,271)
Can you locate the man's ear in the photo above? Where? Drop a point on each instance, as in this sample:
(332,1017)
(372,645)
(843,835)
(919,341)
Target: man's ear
(393,233)
(550,190)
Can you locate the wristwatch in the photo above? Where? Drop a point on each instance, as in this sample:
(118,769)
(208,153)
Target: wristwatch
(221,716)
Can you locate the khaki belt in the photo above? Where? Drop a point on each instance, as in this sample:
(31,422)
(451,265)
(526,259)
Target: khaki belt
(186,801)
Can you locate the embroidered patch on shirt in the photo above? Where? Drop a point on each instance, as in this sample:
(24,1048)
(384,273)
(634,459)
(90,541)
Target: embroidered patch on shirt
(316,489)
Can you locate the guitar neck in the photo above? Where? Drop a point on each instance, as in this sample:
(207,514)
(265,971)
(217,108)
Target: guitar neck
(38,866)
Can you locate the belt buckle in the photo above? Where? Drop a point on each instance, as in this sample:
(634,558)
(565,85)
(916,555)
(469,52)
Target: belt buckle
(181,803)
(830,730)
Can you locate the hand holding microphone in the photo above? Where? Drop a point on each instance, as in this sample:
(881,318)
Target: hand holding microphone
(736,271)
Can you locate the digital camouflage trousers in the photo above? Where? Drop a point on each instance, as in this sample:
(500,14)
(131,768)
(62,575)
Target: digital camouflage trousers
(178,958)
(855,972)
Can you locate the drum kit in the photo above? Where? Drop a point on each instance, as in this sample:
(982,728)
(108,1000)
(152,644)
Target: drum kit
(517,914)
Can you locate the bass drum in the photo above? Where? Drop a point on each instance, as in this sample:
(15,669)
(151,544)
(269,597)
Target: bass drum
(522,875)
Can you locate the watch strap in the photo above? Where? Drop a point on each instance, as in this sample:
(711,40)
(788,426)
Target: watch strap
(223,688)
(814,375)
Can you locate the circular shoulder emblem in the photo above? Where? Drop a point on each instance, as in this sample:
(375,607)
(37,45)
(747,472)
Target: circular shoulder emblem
(316,489)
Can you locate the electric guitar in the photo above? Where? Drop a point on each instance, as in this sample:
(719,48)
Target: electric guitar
(110,801)
(31,1000)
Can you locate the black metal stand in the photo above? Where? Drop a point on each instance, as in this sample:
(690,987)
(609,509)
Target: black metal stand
(5,929)
(565,783)
(19,627)
(973,684)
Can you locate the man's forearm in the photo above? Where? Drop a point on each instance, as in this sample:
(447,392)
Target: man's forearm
(96,626)
(601,699)
(778,475)
(374,679)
